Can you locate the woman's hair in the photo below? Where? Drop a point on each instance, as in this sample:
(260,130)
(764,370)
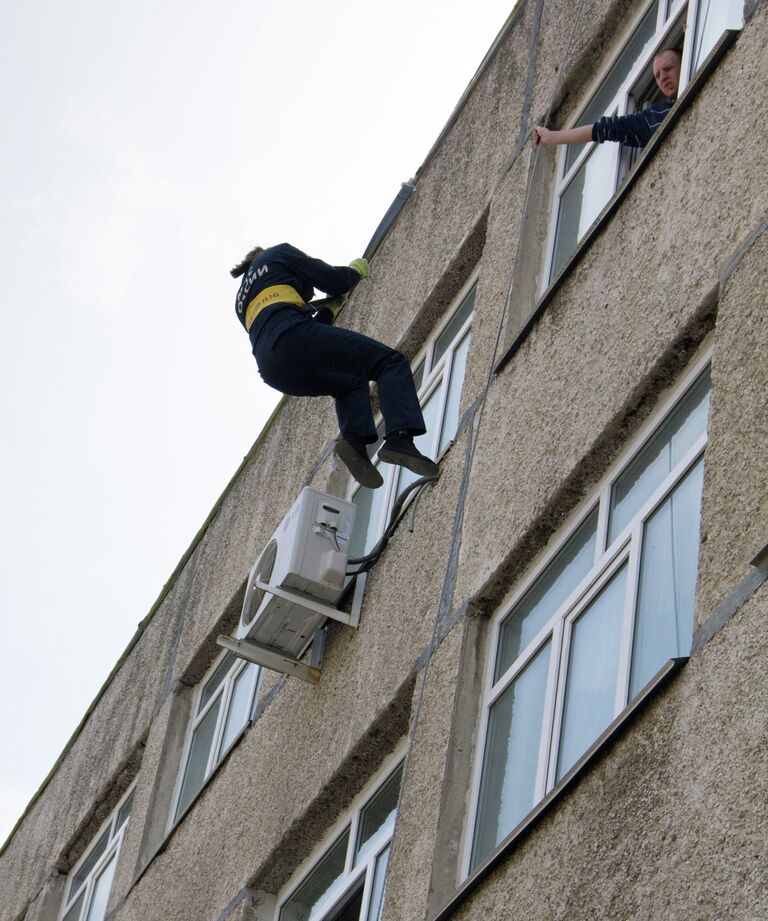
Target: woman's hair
(241,267)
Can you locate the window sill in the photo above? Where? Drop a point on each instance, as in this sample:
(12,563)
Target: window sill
(676,112)
(593,753)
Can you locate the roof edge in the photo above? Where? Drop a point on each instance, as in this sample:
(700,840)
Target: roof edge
(510,22)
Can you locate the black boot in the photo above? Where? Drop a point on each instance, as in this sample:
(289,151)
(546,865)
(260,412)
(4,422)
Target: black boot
(399,449)
(353,453)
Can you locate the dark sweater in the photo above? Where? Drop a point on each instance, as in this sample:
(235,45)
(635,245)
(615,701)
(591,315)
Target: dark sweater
(633,130)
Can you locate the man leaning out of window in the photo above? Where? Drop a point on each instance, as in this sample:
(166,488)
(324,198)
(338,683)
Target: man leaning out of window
(633,130)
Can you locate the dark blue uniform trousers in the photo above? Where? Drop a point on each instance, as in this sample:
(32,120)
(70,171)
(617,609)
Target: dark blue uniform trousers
(309,359)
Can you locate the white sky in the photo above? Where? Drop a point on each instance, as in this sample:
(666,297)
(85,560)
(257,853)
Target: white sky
(145,147)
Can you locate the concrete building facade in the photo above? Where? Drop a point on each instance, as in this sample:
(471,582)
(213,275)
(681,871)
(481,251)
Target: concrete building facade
(554,705)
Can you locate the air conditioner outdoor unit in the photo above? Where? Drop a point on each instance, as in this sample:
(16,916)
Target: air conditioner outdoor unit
(305,560)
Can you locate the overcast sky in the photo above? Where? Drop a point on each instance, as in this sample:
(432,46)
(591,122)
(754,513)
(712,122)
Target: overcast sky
(145,147)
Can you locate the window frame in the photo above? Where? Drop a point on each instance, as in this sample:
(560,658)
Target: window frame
(668,19)
(625,548)
(355,870)
(112,850)
(216,754)
(439,376)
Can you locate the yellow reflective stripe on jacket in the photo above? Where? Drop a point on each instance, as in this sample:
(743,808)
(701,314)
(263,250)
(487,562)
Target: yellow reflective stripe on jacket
(274,294)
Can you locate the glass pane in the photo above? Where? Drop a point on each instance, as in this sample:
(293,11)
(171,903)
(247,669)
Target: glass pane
(378,810)
(214,682)
(377,889)
(367,528)
(546,594)
(101,890)
(453,326)
(125,811)
(239,705)
(74,912)
(507,788)
(350,907)
(330,868)
(601,102)
(197,760)
(422,442)
(657,459)
(712,20)
(90,862)
(582,201)
(590,688)
(453,400)
(418,375)
(668,567)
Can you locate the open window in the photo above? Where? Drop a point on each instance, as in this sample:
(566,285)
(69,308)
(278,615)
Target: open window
(594,621)
(438,372)
(89,884)
(587,175)
(223,709)
(345,882)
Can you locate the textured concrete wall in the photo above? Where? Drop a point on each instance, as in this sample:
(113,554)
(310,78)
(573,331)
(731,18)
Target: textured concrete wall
(735,505)
(665,823)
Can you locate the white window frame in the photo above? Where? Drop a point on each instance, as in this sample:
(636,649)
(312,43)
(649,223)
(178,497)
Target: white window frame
(215,757)
(608,559)
(114,845)
(668,16)
(354,870)
(439,376)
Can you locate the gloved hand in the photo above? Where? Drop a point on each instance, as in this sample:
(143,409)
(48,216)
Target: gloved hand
(360,266)
(330,309)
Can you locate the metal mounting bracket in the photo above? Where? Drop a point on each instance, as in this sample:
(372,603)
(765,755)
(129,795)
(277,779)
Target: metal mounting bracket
(279,661)
(275,659)
(349,620)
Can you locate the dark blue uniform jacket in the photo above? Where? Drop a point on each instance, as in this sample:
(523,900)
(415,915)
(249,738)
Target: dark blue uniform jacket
(286,265)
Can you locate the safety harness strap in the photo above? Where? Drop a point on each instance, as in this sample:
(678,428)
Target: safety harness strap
(274,294)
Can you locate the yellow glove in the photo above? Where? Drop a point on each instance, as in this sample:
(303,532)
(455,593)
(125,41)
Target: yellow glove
(360,266)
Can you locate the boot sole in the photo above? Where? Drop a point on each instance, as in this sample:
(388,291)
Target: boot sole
(360,468)
(422,466)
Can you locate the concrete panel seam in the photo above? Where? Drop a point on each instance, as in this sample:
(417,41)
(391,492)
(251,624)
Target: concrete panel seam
(728,608)
(532,58)
(117,909)
(35,897)
(468,609)
(169,691)
(234,903)
(449,581)
(169,685)
(263,704)
(760,559)
(734,262)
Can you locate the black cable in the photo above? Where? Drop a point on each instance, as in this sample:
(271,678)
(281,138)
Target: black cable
(365,562)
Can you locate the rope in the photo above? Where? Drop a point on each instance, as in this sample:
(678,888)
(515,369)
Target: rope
(474,429)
